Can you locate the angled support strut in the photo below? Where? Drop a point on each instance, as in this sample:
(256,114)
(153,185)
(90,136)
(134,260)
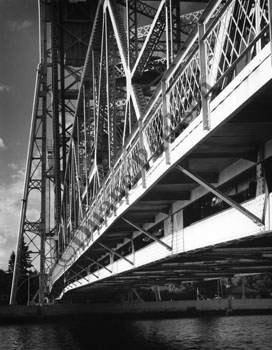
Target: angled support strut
(147,234)
(116,253)
(98,264)
(221,195)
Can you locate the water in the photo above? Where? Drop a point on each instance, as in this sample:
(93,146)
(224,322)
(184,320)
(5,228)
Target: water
(232,332)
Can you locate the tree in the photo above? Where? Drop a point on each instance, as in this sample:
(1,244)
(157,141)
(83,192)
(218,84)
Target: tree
(5,283)
(25,261)
(260,282)
(11,262)
(26,276)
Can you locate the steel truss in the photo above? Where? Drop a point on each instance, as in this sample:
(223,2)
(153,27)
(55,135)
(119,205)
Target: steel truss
(131,108)
(63,46)
(103,101)
(120,72)
(37,234)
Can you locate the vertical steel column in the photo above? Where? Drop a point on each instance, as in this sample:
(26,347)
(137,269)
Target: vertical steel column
(62,87)
(16,271)
(166,127)
(125,173)
(142,148)
(43,208)
(43,228)
(132,33)
(55,105)
(95,106)
(85,116)
(270,24)
(108,82)
(175,23)
(111,93)
(203,76)
(101,148)
(257,10)
(35,176)
(168,35)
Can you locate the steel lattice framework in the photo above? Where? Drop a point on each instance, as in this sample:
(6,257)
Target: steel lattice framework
(64,37)
(83,113)
(117,77)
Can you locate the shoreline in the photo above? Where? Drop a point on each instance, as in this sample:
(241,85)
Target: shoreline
(135,310)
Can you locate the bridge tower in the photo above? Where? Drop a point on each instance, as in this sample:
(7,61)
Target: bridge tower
(64,28)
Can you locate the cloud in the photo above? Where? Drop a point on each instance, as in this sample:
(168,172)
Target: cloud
(10,208)
(15,26)
(20,173)
(3,239)
(4,88)
(9,218)
(2,145)
(13,166)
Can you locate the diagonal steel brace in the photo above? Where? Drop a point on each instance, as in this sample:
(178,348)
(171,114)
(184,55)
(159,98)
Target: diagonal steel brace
(147,233)
(98,263)
(221,195)
(116,253)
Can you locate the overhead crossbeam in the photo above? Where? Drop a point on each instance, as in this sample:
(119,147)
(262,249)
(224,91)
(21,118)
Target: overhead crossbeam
(221,195)
(138,228)
(116,253)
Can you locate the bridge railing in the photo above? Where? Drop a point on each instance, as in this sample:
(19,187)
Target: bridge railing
(234,36)
(241,31)
(229,35)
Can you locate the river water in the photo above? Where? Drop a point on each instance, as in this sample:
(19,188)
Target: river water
(211,333)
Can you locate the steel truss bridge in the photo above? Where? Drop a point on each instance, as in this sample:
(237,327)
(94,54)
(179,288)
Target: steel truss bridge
(150,150)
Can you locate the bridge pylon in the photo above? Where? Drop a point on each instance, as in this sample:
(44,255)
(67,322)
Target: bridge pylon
(64,32)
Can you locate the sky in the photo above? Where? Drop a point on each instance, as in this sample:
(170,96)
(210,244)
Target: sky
(19,58)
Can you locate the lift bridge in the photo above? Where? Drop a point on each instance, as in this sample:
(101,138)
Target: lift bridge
(150,150)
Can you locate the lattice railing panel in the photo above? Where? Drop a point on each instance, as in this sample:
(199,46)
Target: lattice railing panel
(118,188)
(235,34)
(154,131)
(135,162)
(185,95)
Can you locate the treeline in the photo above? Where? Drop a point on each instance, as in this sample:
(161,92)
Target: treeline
(250,286)
(28,279)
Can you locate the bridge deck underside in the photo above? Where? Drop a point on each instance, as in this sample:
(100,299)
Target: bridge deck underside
(240,137)
(224,260)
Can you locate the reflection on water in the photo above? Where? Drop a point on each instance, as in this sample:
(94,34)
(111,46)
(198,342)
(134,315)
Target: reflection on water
(245,332)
